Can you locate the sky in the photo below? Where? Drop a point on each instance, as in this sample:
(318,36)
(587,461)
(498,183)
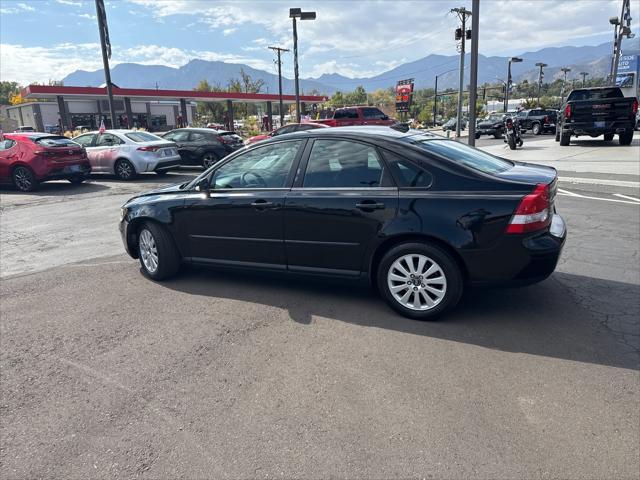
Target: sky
(42,40)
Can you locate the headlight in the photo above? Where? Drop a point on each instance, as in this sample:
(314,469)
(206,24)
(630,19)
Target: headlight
(123,213)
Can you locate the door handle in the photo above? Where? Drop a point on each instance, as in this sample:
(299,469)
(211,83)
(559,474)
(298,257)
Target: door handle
(370,205)
(261,204)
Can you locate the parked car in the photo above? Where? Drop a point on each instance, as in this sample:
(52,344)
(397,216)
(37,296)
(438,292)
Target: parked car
(343,117)
(54,129)
(597,111)
(418,215)
(290,128)
(492,124)
(538,120)
(26,159)
(24,128)
(127,153)
(451,124)
(203,146)
(215,126)
(638,121)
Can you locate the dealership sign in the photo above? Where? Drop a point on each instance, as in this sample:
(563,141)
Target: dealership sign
(627,71)
(404,92)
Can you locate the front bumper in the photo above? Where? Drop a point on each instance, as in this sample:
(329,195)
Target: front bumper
(518,259)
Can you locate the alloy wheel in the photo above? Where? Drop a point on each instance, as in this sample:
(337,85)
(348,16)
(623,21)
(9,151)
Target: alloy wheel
(148,251)
(209,160)
(22,179)
(124,170)
(417,282)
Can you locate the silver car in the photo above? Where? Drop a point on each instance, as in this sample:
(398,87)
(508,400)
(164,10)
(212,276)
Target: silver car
(126,153)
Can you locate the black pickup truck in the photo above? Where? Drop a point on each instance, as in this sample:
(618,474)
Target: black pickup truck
(537,120)
(597,111)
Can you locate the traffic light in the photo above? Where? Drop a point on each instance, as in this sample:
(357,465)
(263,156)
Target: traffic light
(458,34)
(468,34)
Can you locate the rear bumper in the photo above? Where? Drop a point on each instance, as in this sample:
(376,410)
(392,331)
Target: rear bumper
(167,165)
(65,172)
(596,128)
(518,259)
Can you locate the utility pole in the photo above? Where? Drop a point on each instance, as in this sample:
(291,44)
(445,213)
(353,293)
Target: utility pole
(461,34)
(105,45)
(435,102)
(473,78)
(564,70)
(295,13)
(281,106)
(540,77)
(584,76)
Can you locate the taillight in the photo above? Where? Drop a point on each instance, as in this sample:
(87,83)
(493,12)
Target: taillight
(567,111)
(533,212)
(546,119)
(634,106)
(149,149)
(45,153)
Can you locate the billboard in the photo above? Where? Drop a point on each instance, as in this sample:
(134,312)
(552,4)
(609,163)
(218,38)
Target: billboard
(627,77)
(404,92)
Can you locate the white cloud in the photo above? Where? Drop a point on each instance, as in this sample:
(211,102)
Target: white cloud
(25,7)
(228,31)
(70,2)
(17,8)
(88,16)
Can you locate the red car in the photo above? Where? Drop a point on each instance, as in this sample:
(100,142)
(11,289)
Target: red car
(349,116)
(289,128)
(27,159)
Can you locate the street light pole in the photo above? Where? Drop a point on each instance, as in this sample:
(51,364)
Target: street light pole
(295,13)
(509,82)
(564,70)
(584,75)
(473,77)
(435,97)
(540,76)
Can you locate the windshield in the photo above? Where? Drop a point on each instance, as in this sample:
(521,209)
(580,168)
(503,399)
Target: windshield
(494,117)
(141,137)
(462,154)
(54,141)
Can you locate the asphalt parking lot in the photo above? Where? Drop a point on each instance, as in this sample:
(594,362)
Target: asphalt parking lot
(235,375)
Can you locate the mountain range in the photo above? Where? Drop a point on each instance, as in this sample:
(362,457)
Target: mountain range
(592,59)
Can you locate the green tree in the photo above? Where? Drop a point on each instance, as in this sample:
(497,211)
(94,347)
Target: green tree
(8,90)
(209,111)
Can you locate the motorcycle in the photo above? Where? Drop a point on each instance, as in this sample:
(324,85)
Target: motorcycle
(512,134)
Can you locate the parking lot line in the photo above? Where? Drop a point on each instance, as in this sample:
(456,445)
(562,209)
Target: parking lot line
(627,197)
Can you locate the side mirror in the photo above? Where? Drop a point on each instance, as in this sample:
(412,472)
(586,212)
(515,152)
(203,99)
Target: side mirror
(385,117)
(203,185)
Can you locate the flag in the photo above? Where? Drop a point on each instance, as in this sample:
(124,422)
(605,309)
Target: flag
(101,129)
(102,23)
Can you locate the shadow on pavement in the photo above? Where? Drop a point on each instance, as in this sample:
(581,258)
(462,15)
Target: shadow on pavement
(561,317)
(56,188)
(599,142)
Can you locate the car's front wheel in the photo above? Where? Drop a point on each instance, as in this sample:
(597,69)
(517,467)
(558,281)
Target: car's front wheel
(157,252)
(536,129)
(24,179)
(420,280)
(209,159)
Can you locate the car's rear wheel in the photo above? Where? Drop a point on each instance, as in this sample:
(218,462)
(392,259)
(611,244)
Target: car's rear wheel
(124,170)
(536,129)
(24,179)
(608,137)
(209,159)
(498,134)
(157,252)
(565,138)
(420,280)
(626,137)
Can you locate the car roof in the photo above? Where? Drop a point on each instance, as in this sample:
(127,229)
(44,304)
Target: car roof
(369,131)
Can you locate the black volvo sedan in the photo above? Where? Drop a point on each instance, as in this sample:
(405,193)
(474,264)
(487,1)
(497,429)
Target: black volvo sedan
(419,216)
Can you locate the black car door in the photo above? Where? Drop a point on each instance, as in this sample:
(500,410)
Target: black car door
(239,222)
(337,207)
(181,139)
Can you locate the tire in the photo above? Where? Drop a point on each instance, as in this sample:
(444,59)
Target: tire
(626,138)
(536,129)
(498,134)
(124,170)
(447,275)
(23,179)
(565,138)
(158,255)
(511,141)
(209,159)
(608,137)
(477,135)
(76,180)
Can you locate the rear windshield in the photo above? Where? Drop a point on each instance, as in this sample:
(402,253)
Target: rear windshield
(141,137)
(462,154)
(54,141)
(595,94)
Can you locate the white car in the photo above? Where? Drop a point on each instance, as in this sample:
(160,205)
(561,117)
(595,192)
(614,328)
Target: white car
(126,153)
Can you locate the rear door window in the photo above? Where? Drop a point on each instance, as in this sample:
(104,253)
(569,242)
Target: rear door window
(406,173)
(108,140)
(373,113)
(178,136)
(85,140)
(346,113)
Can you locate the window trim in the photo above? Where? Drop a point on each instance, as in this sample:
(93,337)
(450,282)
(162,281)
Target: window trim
(290,177)
(302,169)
